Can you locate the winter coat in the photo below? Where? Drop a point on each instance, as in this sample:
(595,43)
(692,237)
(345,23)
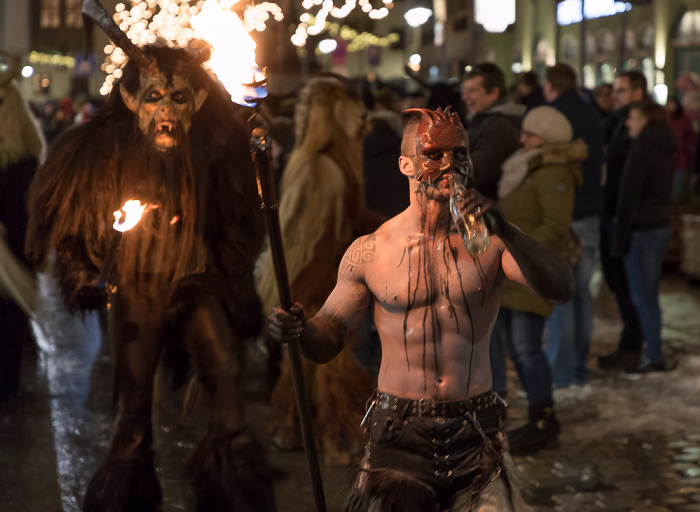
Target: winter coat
(534,99)
(494,135)
(618,142)
(386,189)
(542,207)
(587,125)
(646,184)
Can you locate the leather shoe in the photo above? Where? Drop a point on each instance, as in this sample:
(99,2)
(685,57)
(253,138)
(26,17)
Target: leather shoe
(647,367)
(619,360)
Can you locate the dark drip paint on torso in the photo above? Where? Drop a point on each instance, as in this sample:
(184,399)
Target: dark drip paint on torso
(434,286)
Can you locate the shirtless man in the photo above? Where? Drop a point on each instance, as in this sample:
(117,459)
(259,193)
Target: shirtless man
(435,436)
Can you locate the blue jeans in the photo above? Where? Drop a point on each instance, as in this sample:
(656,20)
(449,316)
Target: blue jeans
(644,265)
(520,334)
(631,338)
(570,327)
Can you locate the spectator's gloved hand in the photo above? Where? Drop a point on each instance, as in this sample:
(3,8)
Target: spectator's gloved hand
(286,326)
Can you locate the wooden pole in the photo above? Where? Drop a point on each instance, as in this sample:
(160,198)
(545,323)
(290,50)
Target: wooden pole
(259,149)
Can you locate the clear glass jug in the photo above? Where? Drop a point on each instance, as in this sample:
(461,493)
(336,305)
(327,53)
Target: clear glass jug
(475,234)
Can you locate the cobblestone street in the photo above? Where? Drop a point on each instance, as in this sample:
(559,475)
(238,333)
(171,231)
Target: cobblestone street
(626,445)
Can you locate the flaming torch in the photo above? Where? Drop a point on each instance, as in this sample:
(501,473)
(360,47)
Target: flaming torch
(233,62)
(124,219)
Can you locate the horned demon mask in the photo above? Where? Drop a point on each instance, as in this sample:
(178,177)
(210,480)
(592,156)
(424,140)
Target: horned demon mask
(166,100)
(441,145)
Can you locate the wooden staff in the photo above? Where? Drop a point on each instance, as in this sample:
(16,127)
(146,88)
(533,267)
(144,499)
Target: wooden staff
(260,153)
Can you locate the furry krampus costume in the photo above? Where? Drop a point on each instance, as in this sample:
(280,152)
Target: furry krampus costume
(21,148)
(167,136)
(321,212)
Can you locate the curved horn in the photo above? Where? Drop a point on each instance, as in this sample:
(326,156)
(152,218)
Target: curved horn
(94,12)
(197,59)
(201,56)
(13,67)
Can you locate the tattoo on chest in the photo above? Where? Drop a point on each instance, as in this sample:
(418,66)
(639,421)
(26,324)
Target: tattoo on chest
(430,281)
(361,251)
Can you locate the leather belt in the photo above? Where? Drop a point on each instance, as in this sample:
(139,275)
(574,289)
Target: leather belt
(435,408)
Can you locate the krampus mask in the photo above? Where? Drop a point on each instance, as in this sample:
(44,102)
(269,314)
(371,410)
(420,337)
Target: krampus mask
(441,145)
(166,98)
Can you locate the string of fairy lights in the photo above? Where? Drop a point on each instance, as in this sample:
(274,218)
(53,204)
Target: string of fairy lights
(168,22)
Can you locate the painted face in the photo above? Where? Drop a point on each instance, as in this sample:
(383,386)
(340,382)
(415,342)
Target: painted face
(164,110)
(441,146)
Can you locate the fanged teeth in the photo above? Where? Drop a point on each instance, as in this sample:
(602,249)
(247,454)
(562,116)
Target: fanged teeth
(166,127)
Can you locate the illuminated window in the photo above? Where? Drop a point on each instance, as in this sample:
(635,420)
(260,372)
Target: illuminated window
(50,14)
(689,29)
(74,18)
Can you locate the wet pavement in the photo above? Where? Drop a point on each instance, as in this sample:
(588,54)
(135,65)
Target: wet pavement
(626,445)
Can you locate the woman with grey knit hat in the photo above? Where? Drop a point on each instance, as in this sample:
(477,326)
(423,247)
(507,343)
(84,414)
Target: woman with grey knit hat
(536,193)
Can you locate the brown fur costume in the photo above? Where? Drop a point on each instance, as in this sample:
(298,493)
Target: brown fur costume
(21,149)
(184,278)
(321,212)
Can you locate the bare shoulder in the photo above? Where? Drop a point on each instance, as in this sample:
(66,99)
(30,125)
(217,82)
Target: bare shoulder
(360,254)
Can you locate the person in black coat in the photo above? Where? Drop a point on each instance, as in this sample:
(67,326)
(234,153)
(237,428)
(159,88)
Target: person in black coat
(629,87)
(493,125)
(530,90)
(642,225)
(386,189)
(570,326)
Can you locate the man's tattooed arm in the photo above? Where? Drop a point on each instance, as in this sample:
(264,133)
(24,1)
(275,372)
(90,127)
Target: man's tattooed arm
(326,334)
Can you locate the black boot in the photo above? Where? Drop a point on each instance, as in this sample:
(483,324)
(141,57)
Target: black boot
(541,431)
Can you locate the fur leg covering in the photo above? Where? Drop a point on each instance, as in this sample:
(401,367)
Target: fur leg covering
(501,495)
(230,474)
(338,392)
(389,491)
(124,486)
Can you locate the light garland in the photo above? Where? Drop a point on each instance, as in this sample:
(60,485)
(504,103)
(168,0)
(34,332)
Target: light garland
(168,22)
(315,24)
(358,41)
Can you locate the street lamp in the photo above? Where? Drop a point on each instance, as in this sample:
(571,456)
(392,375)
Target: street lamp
(494,15)
(417,16)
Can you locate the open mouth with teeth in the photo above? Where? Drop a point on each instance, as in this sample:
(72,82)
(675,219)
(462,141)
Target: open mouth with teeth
(165,126)
(165,133)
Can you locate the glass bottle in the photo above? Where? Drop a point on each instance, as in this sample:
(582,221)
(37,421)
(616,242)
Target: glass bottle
(475,234)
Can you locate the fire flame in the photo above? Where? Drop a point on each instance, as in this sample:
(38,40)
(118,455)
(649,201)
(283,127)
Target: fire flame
(130,214)
(232,51)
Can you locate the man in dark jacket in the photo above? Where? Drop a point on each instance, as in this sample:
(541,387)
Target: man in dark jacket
(530,90)
(570,327)
(628,87)
(493,124)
